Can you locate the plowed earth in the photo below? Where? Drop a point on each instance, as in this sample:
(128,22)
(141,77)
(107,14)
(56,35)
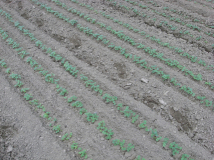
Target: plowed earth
(25,134)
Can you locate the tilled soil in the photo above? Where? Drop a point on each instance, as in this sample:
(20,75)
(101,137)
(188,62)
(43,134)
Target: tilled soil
(26,134)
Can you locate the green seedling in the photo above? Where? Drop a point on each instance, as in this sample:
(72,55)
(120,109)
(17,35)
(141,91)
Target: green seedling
(57,58)
(109,98)
(74,146)
(24,90)
(142,125)
(101,126)
(201,62)
(15,76)
(185,156)
(105,41)
(127,112)
(208,83)
(23,54)
(91,117)
(19,49)
(28,96)
(49,78)
(38,68)
(62,91)
(44,73)
(9,41)
(165,141)
(46,115)
(83,111)
(139,158)
(34,102)
(56,128)
(134,119)
(7,71)
(129,147)
(174,148)
(154,134)
(31,61)
(83,154)
(66,136)
(19,83)
(108,133)
(77,104)
(73,98)
(120,105)
(116,142)
(40,106)
(84,78)
(208,103)
(89,83)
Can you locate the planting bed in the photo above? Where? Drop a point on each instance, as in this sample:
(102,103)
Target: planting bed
(106,80)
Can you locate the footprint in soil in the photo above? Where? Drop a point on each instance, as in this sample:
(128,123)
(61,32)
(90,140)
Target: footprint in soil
(121,70)
(186,126)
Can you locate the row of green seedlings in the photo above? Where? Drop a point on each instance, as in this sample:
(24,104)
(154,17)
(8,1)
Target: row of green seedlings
(139,45)
(152,52)
(178,20)
(108,97)
(143,63)
(50,79)
(180,13)
(137,60)
(171,18)
(62,91)
(34,102)
(128,113)
(209,6)
(173,28)
(165,23)
(106,132)
(91,117)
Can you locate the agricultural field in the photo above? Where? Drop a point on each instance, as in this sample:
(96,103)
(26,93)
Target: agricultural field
(106,80)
